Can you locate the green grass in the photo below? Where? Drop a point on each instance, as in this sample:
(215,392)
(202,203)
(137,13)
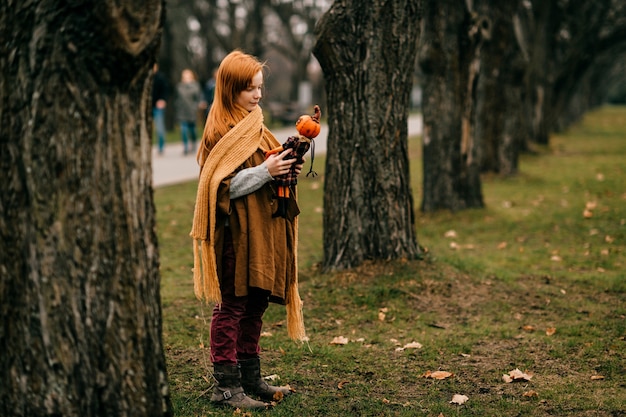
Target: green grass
(480,304)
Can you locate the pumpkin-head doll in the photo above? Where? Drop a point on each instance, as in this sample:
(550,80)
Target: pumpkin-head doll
(308,128)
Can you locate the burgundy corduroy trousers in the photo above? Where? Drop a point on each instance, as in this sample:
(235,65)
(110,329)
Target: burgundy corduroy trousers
(236,323)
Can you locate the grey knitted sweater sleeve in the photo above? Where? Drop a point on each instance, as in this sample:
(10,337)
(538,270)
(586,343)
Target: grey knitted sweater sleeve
(249,180)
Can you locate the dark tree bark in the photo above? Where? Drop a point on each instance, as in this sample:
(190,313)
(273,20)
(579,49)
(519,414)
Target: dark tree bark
(367,52)
(450,55)
(79,280)
(499,98)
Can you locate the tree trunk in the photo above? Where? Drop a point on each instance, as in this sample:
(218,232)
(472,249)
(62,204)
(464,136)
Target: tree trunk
(367,52)
(499,109)
(450,47)
(79,280)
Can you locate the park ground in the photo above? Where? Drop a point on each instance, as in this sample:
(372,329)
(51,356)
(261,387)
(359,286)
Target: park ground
(532,286)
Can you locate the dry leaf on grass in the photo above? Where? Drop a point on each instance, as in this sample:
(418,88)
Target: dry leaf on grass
(597,377)
(459,399)
(412,345)
(550,331)
(438,374)
(382,313)
(339,340)
(342,384)
(530,394)
(591,205)
(516,376)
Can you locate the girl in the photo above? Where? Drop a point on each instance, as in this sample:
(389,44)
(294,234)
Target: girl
(248,257)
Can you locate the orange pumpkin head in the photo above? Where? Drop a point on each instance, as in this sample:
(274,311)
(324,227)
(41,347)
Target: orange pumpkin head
(309,126)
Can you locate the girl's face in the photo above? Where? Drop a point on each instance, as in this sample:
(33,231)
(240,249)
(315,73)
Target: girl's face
(249,98)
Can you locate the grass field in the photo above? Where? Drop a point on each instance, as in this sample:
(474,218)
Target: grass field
(536,281)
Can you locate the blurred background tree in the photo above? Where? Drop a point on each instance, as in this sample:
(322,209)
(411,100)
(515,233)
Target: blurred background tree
(199,33)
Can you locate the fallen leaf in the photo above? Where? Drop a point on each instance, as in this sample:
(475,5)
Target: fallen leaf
(381,316)
(516,375)
(590,205)
(342,383)
(502,245)
(339,340)
(597,377)
(555,258)
(587,214)
(550,331)
(438,374)
(459,399)
(530,394)
(412,345)
(609,239)
(528,328)
(450,233)
(386,401)
(273,377)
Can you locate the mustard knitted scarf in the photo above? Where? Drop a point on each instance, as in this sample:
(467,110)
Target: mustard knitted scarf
(230,152)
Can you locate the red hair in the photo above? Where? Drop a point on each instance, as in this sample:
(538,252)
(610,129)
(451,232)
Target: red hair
(233,76)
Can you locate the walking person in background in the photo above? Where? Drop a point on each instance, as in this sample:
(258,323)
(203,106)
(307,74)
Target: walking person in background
(160,91)
(188,100)
(244,257)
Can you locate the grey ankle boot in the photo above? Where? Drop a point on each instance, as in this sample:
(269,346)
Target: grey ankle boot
(229,391)
(255,385)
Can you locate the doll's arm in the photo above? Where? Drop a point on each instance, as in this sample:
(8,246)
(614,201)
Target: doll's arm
(274,151)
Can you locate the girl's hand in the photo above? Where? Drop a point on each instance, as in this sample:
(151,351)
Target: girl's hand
(277,165)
